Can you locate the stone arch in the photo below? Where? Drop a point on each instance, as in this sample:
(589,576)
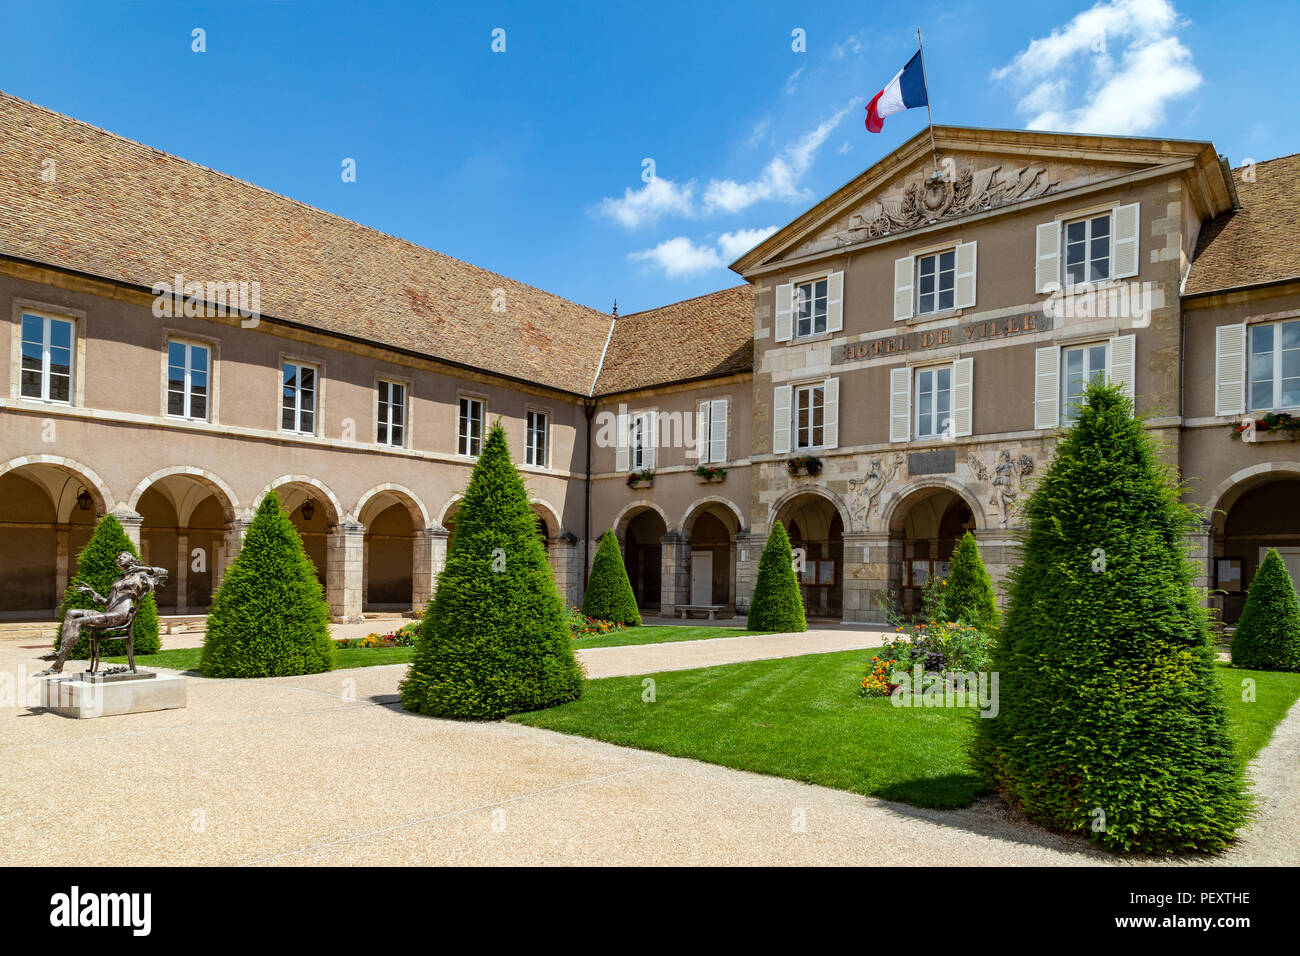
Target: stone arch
(452,502)
(700,505)
(225,495)
(302,481)
(407,497)
(819,490)
(94,484)
(548,513)
(1226,492)
(632,510)
(892,510)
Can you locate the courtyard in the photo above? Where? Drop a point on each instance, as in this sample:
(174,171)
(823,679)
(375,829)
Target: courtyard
(327,769)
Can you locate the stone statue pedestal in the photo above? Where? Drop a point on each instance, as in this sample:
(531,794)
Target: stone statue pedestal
(111,695)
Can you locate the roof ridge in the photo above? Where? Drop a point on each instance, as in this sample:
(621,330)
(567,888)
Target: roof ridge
(669,305)
(282,196)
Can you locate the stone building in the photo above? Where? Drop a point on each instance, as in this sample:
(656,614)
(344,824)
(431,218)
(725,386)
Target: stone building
(893,370)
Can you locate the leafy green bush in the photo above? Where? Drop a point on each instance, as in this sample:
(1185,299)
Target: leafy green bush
(496,639)
(97,568)
(269,617)
(969,593)
(1111,721)
(777,604)
(609,594)
(1267,637)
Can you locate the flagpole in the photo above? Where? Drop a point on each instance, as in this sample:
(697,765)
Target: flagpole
(929,115)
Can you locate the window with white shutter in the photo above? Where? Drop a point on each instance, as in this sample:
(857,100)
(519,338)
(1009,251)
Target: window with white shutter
(1273,366)
(784,323)
(933,401)
(1047,366)
(622,448)
(963,397)
(781,402)
(831,413)
(835,302)
(1047,258)
(1122,367)
(1124,245)
(1230,369)
(711,430)
(903,271)
(900,404)
(966,275)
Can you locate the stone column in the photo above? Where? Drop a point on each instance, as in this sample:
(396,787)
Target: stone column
(566,565)
(749,549)
(873,570)
(675,573)
(234,542)
(429,559)
(345,547)
(131,523)
(998,550)
(62,563)
(1200,548)
(182,570)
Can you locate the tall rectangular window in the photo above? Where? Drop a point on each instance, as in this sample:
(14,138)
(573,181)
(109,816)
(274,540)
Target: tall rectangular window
(810,307)
(1087,250)
(392,414)
(810,416)
(535,439)
(471,427)
(936,278)
(1079,366)
(639,441)
(298,404)
(188,367)
(47,358)
(1275,366)
(933,401)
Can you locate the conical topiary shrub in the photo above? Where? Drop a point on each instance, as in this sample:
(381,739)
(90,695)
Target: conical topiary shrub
(609,592)
(777,604)
(969,593)
(269,617)
(495,640)
(1268,633)
(97,568)
(1110,720)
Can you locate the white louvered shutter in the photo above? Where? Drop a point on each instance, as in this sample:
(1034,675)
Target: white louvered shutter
(831,413)
(900,404)
(1122,363)
(622,451)
(650,438)
(1124,227)
(718,430)
(903,272)
(963,396)
(1230,369)
(1047,387)
(702,431)
(781,420)
(1047,257)
(966,275)
(835,302)
(784,325)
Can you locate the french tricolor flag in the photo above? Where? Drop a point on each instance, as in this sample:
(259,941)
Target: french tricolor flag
(904,92)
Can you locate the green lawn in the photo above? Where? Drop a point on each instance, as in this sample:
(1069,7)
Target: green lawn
(800,717)
(187,658)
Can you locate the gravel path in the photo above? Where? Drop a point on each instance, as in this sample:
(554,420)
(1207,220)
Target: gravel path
(327,769)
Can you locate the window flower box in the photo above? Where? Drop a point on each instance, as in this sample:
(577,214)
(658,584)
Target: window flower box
(711,474)
(641,479)
(804,465)
(1274,426)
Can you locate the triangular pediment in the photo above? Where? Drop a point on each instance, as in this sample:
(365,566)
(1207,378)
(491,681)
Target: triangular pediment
(977,171)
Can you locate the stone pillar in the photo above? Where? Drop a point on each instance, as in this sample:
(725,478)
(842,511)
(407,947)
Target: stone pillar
(345,547)
(62,563)
(566,566)
(873,570)
(675,573)
(182,570)
(1200,548)
(998,550)
(749,549)
(234,542)
(429,559)
(131,523)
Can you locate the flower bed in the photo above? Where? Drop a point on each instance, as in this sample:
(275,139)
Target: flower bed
(404,636)
(950,649)
(583,626)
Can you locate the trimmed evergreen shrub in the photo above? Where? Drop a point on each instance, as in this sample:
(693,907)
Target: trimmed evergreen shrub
(1110,719)
(1268,634)
(97,568)
(609,592)
(495,640)
(969,593)
(777,604)
(269,617)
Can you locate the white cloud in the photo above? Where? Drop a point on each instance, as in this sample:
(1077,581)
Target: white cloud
(647,204)
(852,45)
(679,256)
(845,147)
(1112,69)
(779,178)
(793,80)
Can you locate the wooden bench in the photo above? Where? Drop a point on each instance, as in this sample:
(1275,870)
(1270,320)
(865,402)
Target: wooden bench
(686,610)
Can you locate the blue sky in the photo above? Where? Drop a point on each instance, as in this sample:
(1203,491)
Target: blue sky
(530,161)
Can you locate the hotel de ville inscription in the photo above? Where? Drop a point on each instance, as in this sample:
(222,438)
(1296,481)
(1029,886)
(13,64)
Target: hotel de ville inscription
(969,333)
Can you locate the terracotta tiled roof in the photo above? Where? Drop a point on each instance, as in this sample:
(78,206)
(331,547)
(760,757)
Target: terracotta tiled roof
(129,213)
(706,336)
(1256,243)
